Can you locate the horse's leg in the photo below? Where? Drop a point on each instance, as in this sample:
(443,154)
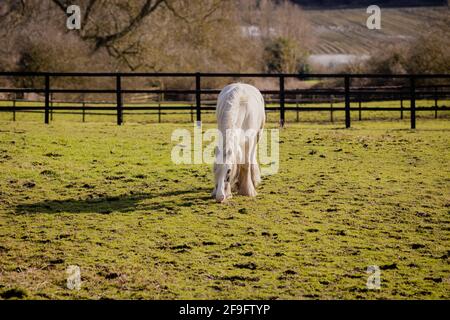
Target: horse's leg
(235,181)
(255,171)
(228,193)
(246,187)
(256,174)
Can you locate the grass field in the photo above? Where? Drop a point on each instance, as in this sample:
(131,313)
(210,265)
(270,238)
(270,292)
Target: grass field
(108,199)
(345,31)
(183,116)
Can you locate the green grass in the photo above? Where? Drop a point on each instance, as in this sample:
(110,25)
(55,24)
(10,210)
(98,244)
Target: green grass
(184,116)
(108,199)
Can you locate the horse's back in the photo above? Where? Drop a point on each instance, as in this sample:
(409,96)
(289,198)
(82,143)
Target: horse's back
(244,102)
(246,92)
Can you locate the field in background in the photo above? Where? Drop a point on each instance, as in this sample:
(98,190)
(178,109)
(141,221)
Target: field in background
(108,199)
(345,31)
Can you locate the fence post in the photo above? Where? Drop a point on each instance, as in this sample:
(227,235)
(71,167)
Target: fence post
(51,106)
(47,99)
(331,108)
(435,103)
(359,98)
(192,113)
(347,101)
(401,107)
(413,102)
(159,112)
(282,100)
(83,111)
(198,98)
(14,109)
(119,100)
(296,100)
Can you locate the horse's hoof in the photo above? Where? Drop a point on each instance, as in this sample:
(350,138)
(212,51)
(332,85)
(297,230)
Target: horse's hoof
(248,193)
(252,194)
(221,199)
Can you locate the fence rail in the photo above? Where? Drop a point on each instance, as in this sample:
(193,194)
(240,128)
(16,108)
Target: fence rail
(349,94)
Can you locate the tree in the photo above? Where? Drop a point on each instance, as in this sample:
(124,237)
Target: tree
(282,55)
(430,54)
(114,25)
(147,35)
(284,34)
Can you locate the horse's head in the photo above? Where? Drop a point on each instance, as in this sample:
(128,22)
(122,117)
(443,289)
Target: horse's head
(223,172)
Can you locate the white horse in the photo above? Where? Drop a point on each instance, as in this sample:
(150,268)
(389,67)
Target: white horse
(240,119)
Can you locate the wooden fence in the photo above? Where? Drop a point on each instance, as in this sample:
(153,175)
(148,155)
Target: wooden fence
(347,94)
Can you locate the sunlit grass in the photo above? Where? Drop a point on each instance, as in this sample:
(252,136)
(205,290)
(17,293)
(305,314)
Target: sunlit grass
(108,199)
(185,116)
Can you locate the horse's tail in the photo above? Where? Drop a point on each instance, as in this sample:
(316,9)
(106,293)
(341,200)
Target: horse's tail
(240,97)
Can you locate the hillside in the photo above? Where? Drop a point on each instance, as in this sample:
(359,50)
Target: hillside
(327,4)
(345,32)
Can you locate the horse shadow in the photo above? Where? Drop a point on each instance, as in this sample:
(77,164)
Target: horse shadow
(119,203)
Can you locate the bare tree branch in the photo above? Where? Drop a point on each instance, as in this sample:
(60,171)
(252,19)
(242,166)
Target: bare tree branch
(104,40)
(148,8)
(89,7)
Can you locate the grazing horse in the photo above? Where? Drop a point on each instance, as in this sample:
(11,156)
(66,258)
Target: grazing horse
(240,120)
